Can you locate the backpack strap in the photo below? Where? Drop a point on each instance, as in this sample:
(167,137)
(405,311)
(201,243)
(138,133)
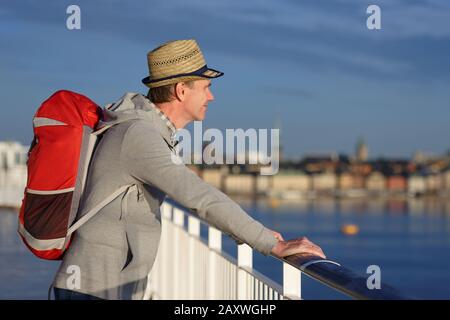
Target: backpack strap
(102,129)
(98,207)
(107,200)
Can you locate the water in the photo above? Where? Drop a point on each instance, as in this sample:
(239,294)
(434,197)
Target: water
(407,239)
(22,275)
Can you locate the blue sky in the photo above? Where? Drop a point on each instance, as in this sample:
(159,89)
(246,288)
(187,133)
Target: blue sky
(312,64)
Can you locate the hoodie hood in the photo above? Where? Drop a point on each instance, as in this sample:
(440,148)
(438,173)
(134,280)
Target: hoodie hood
(133,106)
(130,106)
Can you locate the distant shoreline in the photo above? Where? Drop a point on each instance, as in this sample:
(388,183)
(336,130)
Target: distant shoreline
(400,203)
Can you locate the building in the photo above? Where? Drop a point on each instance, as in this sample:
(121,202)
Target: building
(360,168)
(326,181)
(319,163)
(376,182)
(446,179)
(433,183)
(291,180)
(240,183)
(213,177)
(13,157)
(416,184)
(345,181)
(263,184)
(13,173)
(396,184)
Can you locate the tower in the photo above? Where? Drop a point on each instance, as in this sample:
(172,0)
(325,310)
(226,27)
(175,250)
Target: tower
(362,151)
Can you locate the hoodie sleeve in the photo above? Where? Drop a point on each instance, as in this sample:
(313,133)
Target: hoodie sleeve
(146,156)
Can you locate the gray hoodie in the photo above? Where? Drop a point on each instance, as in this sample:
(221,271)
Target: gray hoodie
(115,249)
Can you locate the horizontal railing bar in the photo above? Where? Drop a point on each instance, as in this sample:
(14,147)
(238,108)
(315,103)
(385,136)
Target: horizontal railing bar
(342,279)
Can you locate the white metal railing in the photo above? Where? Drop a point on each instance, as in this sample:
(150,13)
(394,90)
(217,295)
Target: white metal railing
(188,268)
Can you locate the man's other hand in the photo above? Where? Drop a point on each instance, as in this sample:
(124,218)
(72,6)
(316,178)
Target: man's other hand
(297,246)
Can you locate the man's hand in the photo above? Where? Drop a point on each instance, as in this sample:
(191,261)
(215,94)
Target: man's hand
(296,246)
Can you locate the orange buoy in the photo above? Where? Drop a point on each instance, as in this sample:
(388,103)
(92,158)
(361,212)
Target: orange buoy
(350,229)
(274,203)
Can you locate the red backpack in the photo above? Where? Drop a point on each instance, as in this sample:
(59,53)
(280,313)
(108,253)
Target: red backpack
(64,140)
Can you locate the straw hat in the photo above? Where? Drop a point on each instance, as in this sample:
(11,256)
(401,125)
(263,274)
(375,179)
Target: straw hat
(177,61)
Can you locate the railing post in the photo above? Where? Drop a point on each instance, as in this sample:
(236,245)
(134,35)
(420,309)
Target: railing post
(292,284)
(194,232)
(214,242)
(165,285)
(245,261)
(178,220)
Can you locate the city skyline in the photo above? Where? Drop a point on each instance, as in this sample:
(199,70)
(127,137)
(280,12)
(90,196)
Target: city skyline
(314,65)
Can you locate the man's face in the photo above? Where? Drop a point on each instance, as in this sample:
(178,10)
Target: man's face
(197,99)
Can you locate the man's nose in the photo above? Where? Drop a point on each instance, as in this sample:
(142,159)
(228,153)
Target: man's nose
(210,96)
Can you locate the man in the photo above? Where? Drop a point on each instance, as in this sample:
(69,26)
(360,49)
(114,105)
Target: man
(115,250)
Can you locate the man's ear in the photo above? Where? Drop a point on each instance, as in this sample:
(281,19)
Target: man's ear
(180,91)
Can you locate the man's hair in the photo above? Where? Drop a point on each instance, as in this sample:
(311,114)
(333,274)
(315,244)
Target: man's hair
(165,93)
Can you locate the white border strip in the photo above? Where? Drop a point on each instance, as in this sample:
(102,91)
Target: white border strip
(50,191)
(39,244)
(41,122)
